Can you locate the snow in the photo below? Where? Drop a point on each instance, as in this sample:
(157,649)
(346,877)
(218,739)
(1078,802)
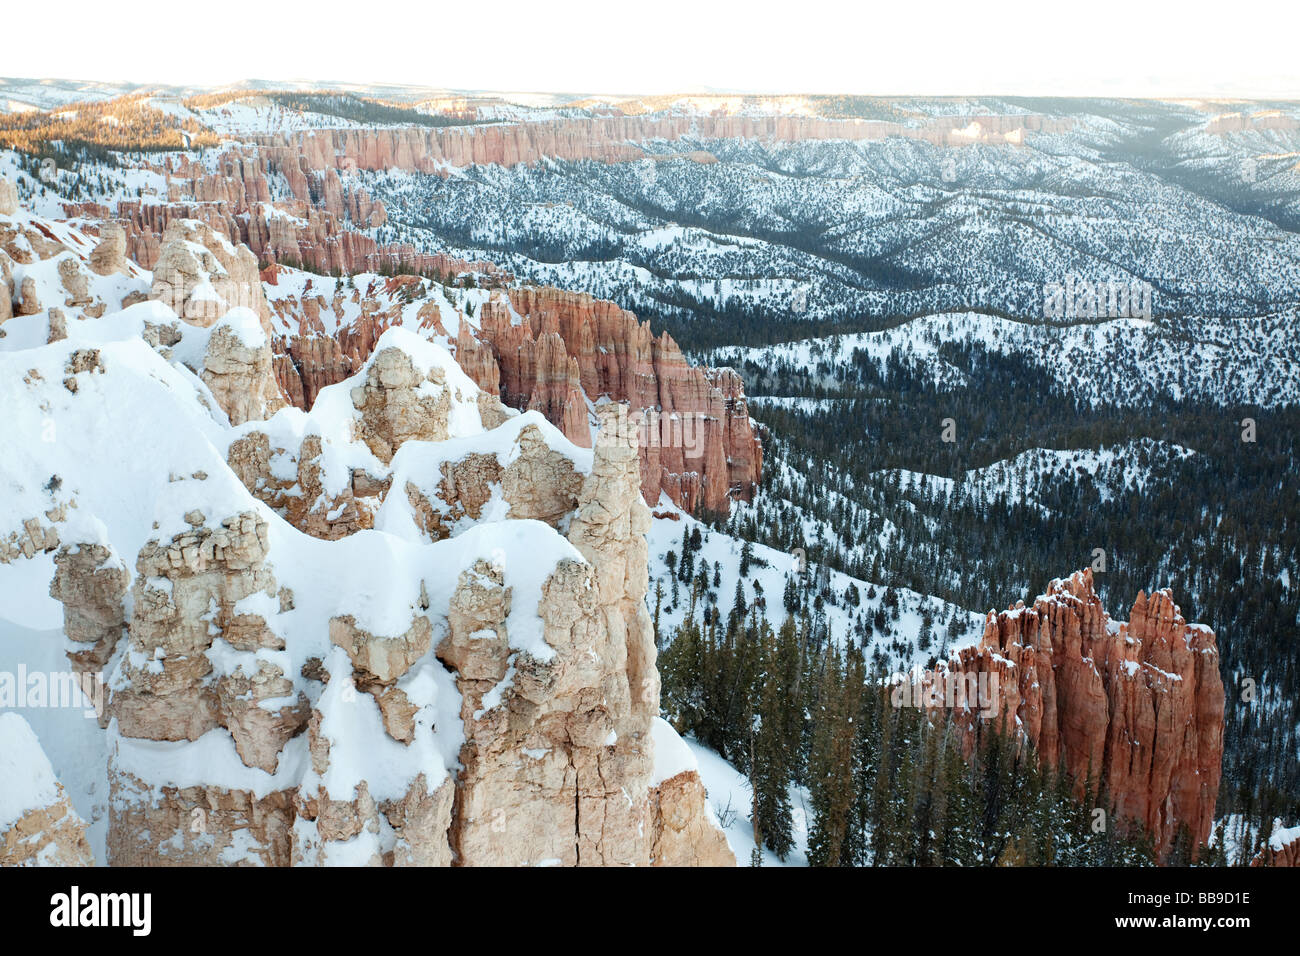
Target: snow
(1282,836)
(361,751)
(770,569)
(1112,470)
(672,755)
(1245,360)
(244,324)
(29,782)
(211,760)
(420,465)
(73,743)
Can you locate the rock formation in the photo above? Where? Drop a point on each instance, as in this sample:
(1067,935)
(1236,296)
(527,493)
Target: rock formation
(557,353)
(38,826)
(52,274)
(239,369)
(697,439)
(186,598)
(1133,710)
(480,690)
(8,197)
(608,139)
(300,496)
(291,232)
(91,581)
(685,833)
(1282,849)
(201,276)
(396,405)
(109,255)
(581,793)
(180,585)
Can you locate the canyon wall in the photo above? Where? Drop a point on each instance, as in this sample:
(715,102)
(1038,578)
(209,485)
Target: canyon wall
(697,439)
(605,139)
(318,224)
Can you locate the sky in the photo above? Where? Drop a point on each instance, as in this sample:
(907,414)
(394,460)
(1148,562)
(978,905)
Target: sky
(926,47)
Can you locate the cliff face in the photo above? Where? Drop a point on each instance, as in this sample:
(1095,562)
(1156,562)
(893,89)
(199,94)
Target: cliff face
(556,350)
(290,231)
(1133,710)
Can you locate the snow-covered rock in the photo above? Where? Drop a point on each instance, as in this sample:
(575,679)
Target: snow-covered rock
(38,826)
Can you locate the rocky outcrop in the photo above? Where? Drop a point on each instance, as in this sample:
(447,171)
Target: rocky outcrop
(196,825)
(538,481)
(201,276)
(239,369)
(557,768)
(185,597)
(182,587)
(683,832)
(322,340)
(1132,710)
(38,826)
(91,582)
(292,232)
(28,302)
(109,255)
(50,268)
(8,197)
(36,537)
(396,407)
(559,353)
(1282,849)
(300,496)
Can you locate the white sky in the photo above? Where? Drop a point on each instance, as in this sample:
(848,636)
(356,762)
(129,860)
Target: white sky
(1112,47)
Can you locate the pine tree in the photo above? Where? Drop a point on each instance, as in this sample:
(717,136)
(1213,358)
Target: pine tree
(831,779)
(770,775)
